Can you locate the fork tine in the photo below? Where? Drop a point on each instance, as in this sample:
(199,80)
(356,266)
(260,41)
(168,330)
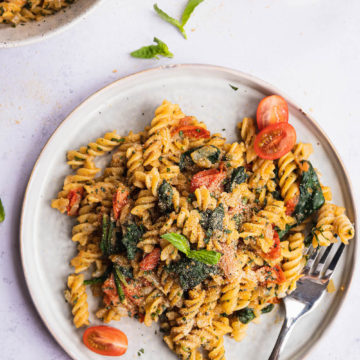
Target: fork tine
(322,261)
(329,271)
(311,260)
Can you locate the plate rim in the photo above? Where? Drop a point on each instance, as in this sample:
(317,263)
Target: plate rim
(10,44)
(243,76)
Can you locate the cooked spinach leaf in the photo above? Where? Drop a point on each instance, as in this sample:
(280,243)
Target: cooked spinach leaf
(132,236)
(238,176)
(165,195)
(186,160)
(245,315)
(311,196)
(205,156)
(191,272)
(267,309)
(213,219)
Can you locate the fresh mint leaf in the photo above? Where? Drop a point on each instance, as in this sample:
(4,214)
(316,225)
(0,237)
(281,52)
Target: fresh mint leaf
(182,244)
(2,212)
(190,7)
(205,256)
(170,20)
(179,241)
(152,51)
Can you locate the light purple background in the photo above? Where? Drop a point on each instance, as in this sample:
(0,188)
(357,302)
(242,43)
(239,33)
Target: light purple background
(308,48)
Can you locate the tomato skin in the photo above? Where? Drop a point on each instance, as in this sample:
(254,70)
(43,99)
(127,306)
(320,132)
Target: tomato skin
(105,340)
(120,199)
(74,198)
(275,250)
(271,110)
(291,205)
(273,275)
(150,261)
(111,296)
(192,131)
(211,179)
(275,141)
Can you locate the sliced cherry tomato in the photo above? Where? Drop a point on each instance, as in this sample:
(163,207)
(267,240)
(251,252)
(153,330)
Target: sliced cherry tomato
(274,141)
(105,340)
(271,110)
(111,296)
(120,199)
(192,131)
(212,179)
(275,250)
(150,261)
(272,275)
(133,291)
(291,205)
(274,300)
(74,198)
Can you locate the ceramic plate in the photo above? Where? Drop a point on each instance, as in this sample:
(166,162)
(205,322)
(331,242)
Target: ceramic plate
(129,104)
(34,31)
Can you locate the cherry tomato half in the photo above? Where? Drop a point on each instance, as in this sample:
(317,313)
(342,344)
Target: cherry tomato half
(74,198)
(105,340)
(120,199)
(212,179)
(275,250)
(150,261)
(271,110)
(274,141)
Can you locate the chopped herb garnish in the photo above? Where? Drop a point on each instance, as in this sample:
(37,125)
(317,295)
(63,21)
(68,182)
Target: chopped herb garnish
(234,87)
(2,212)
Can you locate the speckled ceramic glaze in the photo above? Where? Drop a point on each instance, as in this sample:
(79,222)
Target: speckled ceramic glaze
(129,104)
(34,31)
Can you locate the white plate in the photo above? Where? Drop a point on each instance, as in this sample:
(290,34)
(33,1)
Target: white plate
(129,104)
(34,31)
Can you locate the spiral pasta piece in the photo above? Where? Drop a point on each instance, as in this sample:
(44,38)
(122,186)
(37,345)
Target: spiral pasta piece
(344,228)
(247,134)
(288,177)
(78,299)
(324,234)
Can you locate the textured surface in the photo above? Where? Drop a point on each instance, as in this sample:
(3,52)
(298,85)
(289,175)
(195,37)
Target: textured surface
(306,48)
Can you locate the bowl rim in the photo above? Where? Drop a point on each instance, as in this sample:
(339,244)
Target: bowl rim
(8,44)
(244,76)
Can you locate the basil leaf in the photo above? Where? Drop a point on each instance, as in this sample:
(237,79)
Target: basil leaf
(205,256)
(190,7)
(2,212)
(179,241)
(170,19)
(152,51)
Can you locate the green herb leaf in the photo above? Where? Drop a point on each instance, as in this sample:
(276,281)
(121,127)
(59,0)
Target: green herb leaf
(170,19)
(191,272)
(311,196)
(267,309)
(238,176)
(152,51)
(234,87)
(190,7)
(179,241)
(119,288)
(2,212)
(245,315)
(205,256)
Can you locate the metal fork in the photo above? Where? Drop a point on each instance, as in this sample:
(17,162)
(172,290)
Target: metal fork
(310,289)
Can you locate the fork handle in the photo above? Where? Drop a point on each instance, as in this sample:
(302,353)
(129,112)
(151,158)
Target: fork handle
(284,332)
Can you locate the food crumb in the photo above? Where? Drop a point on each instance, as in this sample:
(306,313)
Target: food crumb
(342,288)
(331,287)
(193,29)
(114,71)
